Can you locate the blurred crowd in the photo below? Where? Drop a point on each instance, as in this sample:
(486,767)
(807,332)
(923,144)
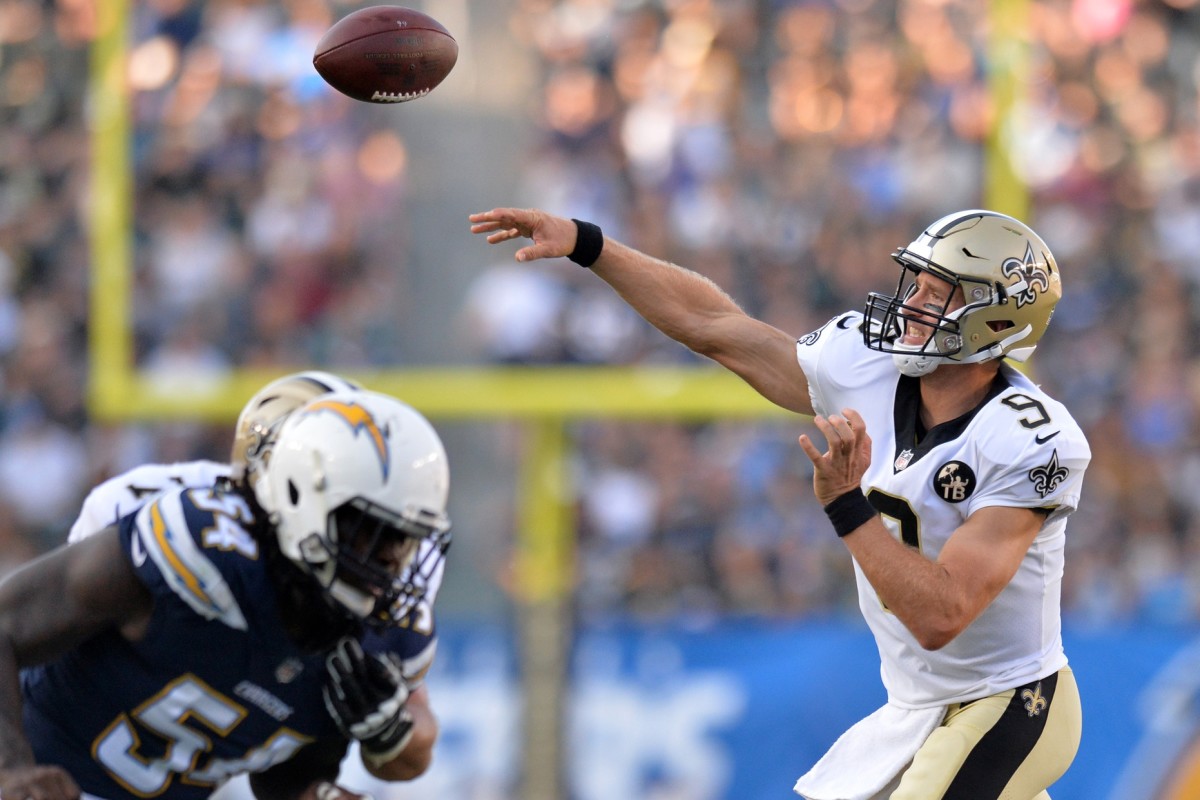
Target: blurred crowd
(785,149)
(782,147)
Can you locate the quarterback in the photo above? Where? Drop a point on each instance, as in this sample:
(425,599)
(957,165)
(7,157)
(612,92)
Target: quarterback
(949,476)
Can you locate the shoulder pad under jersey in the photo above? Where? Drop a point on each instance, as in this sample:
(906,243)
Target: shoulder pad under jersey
(185,540)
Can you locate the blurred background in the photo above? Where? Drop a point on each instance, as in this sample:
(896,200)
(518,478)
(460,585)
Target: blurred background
(666,614)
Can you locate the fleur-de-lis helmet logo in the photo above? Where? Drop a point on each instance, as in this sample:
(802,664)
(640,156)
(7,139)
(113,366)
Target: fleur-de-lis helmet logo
(1035,277)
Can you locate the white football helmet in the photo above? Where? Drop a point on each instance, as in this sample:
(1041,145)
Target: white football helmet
(1010,284)
(265,412)
(356,490)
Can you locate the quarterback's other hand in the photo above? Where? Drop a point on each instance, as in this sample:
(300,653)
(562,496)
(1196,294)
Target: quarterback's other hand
(366,697)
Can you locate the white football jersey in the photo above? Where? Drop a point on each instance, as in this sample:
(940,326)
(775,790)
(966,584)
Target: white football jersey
(129,491)
(1019,448)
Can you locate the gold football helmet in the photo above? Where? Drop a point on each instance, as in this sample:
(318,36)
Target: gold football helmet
(265,412)
(1009,286)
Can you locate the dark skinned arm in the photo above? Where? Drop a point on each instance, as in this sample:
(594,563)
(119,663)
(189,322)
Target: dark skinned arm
(46,607)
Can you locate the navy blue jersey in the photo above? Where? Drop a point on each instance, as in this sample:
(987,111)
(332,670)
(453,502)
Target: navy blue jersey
(214,688)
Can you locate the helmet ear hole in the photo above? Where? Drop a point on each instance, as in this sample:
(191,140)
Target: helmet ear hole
(293,493)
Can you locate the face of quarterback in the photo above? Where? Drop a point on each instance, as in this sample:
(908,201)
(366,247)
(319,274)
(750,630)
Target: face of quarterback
(931,294)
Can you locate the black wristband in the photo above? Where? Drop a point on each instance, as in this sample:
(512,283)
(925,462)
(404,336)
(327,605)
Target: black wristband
(849,512)
(589,241)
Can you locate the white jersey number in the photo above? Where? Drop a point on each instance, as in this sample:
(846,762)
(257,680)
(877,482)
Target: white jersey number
(186,699)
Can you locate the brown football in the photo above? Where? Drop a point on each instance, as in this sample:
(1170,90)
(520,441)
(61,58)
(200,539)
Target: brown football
(386,54)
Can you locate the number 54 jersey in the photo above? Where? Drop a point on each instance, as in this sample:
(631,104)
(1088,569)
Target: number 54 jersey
(212,689)
(1018,448)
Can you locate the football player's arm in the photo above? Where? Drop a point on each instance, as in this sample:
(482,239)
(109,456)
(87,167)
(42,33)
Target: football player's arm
(936,600)
(417,755)
(684,305)
(46,607)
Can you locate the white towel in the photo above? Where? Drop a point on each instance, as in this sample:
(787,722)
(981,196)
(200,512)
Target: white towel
(869,755)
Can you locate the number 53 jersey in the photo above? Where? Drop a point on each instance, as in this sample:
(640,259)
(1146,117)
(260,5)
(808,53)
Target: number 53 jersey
(213,688)
(1018,448)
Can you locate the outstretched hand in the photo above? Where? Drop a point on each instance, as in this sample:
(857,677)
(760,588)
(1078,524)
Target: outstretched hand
(552,236)
(840,468)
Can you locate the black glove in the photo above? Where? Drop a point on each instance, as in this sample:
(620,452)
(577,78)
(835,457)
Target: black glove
(365,696)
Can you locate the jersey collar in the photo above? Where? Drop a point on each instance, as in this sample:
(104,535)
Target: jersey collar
(910,447)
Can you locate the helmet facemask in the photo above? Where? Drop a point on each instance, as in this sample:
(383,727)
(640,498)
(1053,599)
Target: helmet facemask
(375,563)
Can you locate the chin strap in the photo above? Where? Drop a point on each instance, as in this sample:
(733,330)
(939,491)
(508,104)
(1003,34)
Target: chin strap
(915,363)
(998,350)
(357,602)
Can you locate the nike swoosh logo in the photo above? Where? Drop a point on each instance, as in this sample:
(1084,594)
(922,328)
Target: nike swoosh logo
(136,552)
(1048,437)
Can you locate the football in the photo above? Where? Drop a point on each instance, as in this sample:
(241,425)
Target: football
(385,54)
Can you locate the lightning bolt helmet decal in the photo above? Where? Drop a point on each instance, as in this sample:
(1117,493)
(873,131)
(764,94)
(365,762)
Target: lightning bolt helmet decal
(360,421)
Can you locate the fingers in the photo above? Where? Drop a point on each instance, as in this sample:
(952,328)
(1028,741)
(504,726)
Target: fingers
(495,214)
(553,236)
(838,431)
(345,663)
(502,223)
(845,434)
(344,656)
(497,232)
(862,439)
(536,251)
(810,449)
(506,224)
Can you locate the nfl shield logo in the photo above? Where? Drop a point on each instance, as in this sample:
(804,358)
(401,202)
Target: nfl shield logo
(903,460)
